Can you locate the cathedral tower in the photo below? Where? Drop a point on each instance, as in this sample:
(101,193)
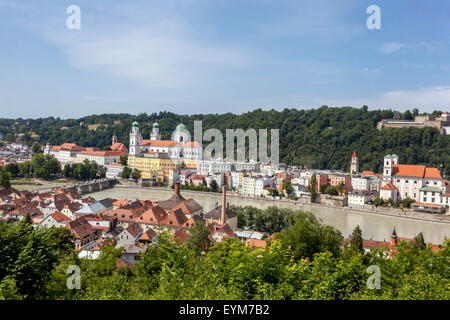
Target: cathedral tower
(135,140)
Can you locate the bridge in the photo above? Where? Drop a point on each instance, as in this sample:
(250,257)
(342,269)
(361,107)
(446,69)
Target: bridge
(87,186)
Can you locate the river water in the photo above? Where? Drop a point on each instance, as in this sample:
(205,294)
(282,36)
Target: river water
(374,226)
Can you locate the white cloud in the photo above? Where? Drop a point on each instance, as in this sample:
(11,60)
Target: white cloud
(391,47)
(161,55)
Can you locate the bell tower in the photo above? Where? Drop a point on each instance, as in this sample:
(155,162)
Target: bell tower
(354,165)
(135,140)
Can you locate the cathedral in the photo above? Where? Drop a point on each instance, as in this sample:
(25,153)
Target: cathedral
(179,148)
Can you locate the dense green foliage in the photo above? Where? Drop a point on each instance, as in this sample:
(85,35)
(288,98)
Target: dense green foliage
(4,178)
(304,134)
(303,262)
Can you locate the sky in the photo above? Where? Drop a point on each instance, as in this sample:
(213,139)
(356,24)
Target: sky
(218,56)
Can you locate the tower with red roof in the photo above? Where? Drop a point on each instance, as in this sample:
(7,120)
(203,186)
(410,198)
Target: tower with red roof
(354,166)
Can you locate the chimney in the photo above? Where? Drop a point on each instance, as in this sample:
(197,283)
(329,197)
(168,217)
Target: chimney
(177,188)
(224,205)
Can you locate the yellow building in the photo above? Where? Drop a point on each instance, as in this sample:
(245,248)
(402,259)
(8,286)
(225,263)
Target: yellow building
(153,165)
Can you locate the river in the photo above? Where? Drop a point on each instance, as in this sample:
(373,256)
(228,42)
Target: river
(374,226)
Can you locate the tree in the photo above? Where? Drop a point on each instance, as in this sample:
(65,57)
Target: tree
(357,240)
(4,178)
(126,173)
(323,187)
(214,186)
(123,160)
(406,203)
(67,171)
(287,186)
(332,190)
(136,174)
(312,187)
(36,148)
(198,239)
(308,236)
(341,187)
(419,242)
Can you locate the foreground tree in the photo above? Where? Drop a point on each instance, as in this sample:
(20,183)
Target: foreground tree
(4,178)
(198,240)
(312,188)
(357,240)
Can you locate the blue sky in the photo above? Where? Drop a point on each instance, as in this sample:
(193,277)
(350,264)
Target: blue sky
(216,56)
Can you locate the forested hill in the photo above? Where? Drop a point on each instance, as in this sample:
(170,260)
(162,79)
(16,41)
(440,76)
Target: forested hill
(316,138)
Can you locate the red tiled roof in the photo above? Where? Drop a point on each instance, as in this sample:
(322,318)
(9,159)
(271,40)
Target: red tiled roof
(389,186)
(120,203)
(256,243)
(407,170)
(367,173)
(159,143)
(119,147)
(134,229)
(181,235)
(59,217)
(149,234)
(354,155)
(427,204)
(104,153)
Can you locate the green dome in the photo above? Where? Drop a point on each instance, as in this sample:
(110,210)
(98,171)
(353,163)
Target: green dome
(181,127)
(156,125)
(135,124)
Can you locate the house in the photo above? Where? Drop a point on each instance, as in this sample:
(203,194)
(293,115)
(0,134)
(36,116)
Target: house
(220,232)
(55,220)
(91,208)
(389,191)
(107,204)
(85,235)
(215,216)
(70,209)
(129,235)
(359,198)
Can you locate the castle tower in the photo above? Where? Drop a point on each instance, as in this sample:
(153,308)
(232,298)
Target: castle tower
(155,134)
(354,166)
(135,140)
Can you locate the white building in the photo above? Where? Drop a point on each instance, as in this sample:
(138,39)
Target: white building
(358,198)
(252,186)
(102,158)
(361,183)
(214,166)
(114,170)
(65,153)
(409,179)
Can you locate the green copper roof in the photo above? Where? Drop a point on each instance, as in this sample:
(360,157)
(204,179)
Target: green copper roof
(156,125)
(181,127)
(135,124)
